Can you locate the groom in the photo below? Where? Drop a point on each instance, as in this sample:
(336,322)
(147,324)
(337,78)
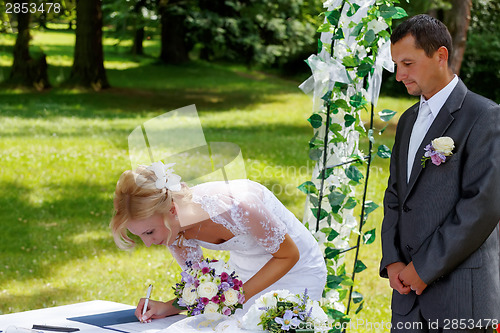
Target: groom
(440,236)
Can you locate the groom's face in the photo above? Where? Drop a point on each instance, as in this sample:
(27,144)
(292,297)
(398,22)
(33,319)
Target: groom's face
(418,72)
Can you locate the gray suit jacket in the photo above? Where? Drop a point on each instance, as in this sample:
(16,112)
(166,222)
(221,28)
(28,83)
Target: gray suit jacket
(445,219)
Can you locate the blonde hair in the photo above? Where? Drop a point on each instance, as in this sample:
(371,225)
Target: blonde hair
(137,198)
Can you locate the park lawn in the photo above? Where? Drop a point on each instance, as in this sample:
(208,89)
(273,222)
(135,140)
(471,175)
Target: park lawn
(63,151)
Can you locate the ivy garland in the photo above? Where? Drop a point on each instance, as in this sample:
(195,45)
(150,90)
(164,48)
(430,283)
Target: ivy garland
(353,48)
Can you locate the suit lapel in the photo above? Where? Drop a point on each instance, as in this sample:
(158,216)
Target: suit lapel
(405,144)
(443,120)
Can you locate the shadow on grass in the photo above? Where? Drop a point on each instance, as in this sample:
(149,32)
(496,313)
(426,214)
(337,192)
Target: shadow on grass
(39,238)
(146,88)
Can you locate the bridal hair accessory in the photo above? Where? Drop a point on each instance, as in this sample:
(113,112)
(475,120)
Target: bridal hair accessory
(166,176)
(438,150)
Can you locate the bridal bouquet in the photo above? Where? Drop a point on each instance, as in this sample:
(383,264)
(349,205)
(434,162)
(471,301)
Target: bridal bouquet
(209,286)
(280,311)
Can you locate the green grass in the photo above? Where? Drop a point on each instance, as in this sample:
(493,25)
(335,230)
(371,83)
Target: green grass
(62,152)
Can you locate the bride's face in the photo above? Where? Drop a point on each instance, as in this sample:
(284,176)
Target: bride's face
(152,230)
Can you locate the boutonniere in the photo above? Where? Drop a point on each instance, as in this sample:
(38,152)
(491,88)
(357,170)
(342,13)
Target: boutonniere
(438,150)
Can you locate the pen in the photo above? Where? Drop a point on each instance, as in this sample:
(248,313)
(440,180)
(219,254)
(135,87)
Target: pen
(148,295)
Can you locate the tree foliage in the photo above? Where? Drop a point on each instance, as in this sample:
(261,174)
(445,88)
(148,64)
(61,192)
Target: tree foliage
(481,67)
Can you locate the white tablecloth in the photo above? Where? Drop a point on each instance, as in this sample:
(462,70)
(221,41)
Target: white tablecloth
(57,316)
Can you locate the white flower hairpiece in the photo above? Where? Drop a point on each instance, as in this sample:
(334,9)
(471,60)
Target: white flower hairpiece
(166,176)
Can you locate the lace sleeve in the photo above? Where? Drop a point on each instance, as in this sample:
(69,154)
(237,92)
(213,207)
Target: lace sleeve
(189,251)
(262,223)
(245,207)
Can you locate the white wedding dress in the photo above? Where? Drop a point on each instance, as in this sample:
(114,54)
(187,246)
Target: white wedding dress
(259,222)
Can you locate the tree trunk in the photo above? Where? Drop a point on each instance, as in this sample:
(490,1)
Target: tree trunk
(27,71)
(137,48)
(88,64)
(174,49)
(457,20)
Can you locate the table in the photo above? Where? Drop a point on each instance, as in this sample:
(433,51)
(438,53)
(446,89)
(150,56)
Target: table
(57,316)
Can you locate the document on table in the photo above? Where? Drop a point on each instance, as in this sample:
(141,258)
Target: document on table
(126,321)
(154,326)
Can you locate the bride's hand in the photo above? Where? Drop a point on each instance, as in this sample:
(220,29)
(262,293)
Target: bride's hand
(155,310)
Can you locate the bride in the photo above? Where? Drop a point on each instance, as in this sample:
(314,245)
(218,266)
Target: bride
(269,247)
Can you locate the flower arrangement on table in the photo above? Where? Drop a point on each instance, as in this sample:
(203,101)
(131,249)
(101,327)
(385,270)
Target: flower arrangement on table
(209,286)
(280,311)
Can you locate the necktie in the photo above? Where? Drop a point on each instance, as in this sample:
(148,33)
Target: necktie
(417,135)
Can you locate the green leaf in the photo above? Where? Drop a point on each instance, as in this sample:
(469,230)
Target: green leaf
(315,154)
(332,235)
(370,206)
(336,198)
(316,120)
(342,103)
(356,297)
(384,151)
(339,34)
(359,267)
(333,17)
(337,217)
(349,120)
(328,173)
(308,187)
(314,200)
(350,203)
(342,294)
(357,29)
(335,314)
(353,173)
(350,61)
(369,236)
(322,214)
(400,13)
(364,69)
(333,281)
(357,100)
(370,36)
(331,253)
(386,114)
(320,45)
(387,12)
(347,281)
(354,8)
(327,96)
(360,307)
(325,27)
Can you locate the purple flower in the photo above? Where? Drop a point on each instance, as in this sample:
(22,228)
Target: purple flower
(287,320)
(224,276)
(215,299)
(205,270)
(226,311)
(241,298)
(188,278)
(205,300)
(224,286)
(437,158)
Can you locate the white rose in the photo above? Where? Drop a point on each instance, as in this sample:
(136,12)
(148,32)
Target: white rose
(211,307)
(444,145)
(251,319)
(189,295)
(207,289)
(231,296)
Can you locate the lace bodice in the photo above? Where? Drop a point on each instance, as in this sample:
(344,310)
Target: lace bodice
(247,209)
